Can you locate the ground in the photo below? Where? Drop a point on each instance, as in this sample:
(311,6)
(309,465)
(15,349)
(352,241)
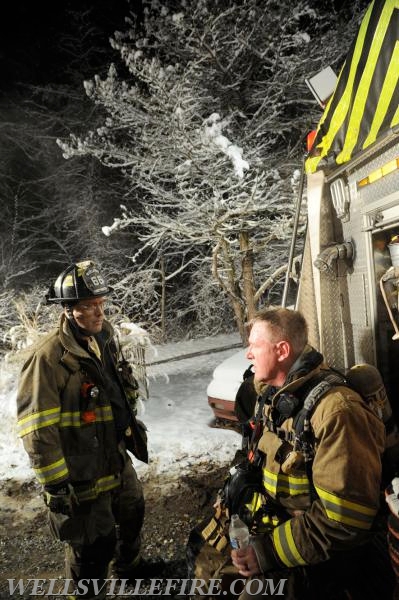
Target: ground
(173,506)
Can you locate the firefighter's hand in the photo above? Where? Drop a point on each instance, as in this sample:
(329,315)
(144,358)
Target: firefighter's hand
(245,561)
(59,499)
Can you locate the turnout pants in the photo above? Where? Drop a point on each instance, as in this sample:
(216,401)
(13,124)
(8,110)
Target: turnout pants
(101,530)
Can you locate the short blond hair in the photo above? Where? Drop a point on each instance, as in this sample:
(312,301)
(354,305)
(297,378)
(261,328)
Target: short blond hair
(285,324)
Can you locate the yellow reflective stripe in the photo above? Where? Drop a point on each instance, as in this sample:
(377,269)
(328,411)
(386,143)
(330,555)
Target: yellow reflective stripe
(255,503)
(103,484)
(346,511)
(53,416)
(52,472)
(73,418)
(89,494)
(395,119)
(388,88)
(38,420)
(311,164)
(364,85)
(104,413)
(70,419)
(107,483)
(285,546)
(270,520)
(291,485)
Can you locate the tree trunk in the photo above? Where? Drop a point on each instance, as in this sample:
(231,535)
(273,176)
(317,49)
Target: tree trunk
(248,286)
(229,284)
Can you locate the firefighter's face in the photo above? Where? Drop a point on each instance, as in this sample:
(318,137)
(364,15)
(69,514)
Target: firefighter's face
(89,314)
(267,355)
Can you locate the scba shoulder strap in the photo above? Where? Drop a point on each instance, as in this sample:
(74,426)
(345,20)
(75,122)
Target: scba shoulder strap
(306,399)
(314,391)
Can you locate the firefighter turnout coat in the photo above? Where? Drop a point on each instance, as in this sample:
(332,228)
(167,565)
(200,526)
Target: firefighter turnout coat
(65,415)
(338,512)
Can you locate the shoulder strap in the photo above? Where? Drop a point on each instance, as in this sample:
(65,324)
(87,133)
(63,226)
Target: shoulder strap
(312,393)
(253,442)
(304,435)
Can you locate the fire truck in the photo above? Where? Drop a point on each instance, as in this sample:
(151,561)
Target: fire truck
(349,279)
(348,289)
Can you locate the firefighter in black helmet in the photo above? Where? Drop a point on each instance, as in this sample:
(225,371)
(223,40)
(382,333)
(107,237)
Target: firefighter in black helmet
(76,423)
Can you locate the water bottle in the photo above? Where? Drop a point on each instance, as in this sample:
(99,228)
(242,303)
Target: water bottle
(238,533)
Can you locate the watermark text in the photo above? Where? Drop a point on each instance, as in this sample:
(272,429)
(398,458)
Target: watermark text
(149,587)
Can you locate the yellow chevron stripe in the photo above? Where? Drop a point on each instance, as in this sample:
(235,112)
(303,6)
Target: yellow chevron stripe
(395,119)
(344,103)
(388,88)
(347,110)
(364,85)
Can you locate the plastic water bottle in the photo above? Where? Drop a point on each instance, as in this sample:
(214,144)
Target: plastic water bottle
(238,533)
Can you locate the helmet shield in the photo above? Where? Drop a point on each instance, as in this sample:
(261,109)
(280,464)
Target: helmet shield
(78,281)
(92,279)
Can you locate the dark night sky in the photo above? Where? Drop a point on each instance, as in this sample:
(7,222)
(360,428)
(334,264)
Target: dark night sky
(30,47)
(31,33)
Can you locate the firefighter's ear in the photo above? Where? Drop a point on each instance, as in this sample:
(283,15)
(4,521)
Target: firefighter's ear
(284,350)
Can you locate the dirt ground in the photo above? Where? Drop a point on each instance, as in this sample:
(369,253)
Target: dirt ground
(173,507)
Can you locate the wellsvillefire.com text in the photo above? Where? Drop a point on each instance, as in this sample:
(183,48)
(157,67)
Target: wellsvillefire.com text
(149,587)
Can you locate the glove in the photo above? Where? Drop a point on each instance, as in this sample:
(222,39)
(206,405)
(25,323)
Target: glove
(59,499)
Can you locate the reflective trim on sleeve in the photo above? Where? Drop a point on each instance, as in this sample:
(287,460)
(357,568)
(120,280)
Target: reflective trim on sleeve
(53,472)
(280,483)
(285,547)
(37,420)
(346,511)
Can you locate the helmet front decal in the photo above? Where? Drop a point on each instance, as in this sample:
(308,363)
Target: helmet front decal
(94,281)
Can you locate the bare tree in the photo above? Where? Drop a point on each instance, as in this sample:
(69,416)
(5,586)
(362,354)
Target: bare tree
(207,126)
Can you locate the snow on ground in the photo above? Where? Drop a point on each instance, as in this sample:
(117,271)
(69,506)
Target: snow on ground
(177,414)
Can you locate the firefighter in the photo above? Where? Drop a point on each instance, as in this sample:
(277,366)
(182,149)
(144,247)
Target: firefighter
(322,488)
(76,422)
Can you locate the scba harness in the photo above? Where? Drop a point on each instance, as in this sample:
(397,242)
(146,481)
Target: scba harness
(243,492)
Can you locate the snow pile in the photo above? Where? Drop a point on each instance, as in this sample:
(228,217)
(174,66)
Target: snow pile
(13,459)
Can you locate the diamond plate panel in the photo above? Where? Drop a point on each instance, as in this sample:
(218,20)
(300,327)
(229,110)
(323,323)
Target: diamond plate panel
(306,302)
